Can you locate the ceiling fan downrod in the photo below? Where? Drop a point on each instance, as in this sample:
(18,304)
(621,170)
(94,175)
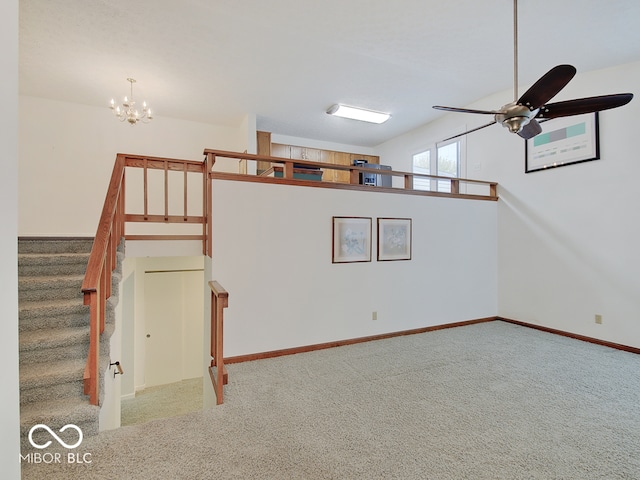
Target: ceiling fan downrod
(515,50)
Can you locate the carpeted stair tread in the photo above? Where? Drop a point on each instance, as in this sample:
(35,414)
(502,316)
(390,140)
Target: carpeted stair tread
(53,258)
(60,412)
(60,245)
(53,314)
(33,264)
(34,375)
(47,338)
(47,288)
(47,308)
(50,281)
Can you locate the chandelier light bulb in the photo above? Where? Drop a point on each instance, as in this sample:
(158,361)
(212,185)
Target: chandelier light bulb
(128,111)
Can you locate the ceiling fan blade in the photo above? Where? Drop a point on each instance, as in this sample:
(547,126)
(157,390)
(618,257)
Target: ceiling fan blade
(530,130)
(464,110)
(547,86)
(584,105)
(468,131)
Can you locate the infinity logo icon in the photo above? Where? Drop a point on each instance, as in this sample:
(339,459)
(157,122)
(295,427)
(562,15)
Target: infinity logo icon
(58,439)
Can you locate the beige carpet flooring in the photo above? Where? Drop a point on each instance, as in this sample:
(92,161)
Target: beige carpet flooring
(491,401)
(163,401)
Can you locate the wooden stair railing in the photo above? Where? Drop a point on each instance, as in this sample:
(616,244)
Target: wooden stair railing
(219,301)
(96,285)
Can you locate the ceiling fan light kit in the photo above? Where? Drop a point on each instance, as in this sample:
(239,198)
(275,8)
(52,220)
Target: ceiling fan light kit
(520,116)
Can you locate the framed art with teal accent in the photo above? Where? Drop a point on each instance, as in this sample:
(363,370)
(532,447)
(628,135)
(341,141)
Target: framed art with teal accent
(563,141)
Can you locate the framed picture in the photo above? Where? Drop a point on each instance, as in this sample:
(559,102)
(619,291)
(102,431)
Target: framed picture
(351,239)
(394,239)
(563,141)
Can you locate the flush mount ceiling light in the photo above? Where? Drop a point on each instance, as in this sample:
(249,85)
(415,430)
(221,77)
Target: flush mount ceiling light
(128,110)
(356,113)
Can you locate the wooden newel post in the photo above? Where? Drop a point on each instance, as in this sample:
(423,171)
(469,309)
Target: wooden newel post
(219,301)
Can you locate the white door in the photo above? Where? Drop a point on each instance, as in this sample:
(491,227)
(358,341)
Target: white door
(174,312)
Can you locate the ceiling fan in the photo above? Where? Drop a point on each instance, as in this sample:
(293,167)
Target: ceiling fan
(521,116)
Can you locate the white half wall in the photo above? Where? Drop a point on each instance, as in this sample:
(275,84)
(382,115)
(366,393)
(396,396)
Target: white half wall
(272,253)
(67,152)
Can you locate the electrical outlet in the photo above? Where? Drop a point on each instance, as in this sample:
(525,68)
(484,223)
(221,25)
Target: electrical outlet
(374,315)
(598,319)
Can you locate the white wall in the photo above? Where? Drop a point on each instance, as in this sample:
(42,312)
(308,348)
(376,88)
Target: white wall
(568,237)
(67,152)
(272,252)
(9,400)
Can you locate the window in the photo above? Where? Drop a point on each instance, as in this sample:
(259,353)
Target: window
(422,164)
(444,160)
(448,164)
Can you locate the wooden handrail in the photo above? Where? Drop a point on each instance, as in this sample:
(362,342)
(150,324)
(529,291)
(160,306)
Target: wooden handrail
(219,301)
(96,285)
(289,167)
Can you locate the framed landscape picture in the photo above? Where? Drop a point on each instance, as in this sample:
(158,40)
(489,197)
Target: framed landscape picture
(394,239)
(563,141)
(351,239)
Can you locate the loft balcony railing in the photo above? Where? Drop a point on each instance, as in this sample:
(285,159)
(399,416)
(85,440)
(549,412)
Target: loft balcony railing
(310,174)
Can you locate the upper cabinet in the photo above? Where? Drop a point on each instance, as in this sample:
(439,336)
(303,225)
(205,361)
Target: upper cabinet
(297,152)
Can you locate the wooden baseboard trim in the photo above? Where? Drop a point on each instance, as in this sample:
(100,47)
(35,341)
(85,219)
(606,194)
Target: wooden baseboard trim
(584,338)
(351,341)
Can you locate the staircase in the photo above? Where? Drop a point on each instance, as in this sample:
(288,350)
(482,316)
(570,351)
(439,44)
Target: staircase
(54,334)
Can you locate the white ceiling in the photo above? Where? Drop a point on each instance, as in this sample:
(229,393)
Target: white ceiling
(287,61)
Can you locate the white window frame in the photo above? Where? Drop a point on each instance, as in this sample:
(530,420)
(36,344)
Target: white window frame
(435,185)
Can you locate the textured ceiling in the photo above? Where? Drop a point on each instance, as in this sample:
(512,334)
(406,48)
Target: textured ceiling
(287,61)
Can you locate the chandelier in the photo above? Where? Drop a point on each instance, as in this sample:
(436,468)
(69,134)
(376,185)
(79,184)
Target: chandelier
(128,111)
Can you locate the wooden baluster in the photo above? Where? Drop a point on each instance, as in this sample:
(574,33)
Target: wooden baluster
(288,170)
(354,176)
(455,185)
(166,191)
(91,384)
(114,245)
(208,226)
(184,165)
(493,189)
(408,182)
(146,190)
(103,299)
(121,209)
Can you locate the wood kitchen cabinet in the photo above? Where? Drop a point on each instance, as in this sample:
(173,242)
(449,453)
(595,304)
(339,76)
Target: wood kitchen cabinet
(297,152)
